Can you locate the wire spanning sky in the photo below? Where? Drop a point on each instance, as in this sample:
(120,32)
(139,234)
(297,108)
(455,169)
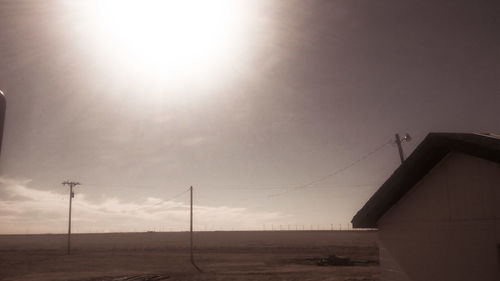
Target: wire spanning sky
(277,112)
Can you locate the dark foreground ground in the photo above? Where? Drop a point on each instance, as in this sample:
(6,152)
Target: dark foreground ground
(228,255)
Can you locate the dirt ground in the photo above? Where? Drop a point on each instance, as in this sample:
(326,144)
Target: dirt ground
(249,255)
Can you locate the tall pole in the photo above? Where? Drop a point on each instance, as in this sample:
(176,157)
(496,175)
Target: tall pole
(191,231)
(3,106)
(191,222)
(398,141)
(71,195)
(69,220)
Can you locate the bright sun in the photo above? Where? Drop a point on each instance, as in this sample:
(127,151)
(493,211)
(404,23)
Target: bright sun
(165,40)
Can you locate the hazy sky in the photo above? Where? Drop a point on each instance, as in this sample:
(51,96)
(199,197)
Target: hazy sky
(245,101)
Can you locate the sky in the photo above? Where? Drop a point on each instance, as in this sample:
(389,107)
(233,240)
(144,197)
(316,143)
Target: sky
(280,114)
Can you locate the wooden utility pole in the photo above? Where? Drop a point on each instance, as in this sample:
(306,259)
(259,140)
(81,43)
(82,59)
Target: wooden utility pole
(398,140)
(191,232)
(3,106)
(71,195)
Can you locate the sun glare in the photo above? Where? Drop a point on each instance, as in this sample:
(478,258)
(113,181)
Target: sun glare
(166,40)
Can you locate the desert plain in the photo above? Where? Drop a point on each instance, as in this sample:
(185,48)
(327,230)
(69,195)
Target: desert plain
(221,255)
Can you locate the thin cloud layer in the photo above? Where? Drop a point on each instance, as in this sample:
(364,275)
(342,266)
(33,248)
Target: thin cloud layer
(24,209)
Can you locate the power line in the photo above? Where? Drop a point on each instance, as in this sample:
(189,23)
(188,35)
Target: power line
(244,186)
(120,185)
(334,173)
(289,187)
(263,187)
(311,184)
(163,201)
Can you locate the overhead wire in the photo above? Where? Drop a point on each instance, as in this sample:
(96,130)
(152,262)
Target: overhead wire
(334,173)
(313,183)
(263,187)
(289,188)
(161,202)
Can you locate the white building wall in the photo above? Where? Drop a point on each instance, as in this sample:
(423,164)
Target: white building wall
(447,227)
(391,270)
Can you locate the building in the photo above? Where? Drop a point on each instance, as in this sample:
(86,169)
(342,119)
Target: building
(438,214)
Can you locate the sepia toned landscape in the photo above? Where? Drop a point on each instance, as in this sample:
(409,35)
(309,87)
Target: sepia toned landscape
(222,255)
(343,140)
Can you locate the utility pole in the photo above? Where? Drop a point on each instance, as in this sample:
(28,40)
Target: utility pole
(71,195)
(191,232)
(406,138)
(3,107)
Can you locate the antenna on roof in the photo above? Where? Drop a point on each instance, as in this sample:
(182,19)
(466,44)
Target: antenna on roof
(406,138)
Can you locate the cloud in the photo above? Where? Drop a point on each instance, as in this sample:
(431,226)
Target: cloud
(28,210)
(194,141)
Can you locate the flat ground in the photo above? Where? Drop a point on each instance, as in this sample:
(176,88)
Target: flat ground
(222,255)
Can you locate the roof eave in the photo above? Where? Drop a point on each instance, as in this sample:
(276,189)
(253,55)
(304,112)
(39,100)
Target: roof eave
(432,150)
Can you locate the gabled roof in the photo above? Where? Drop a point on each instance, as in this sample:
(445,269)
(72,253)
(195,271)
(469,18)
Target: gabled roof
(428,153)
